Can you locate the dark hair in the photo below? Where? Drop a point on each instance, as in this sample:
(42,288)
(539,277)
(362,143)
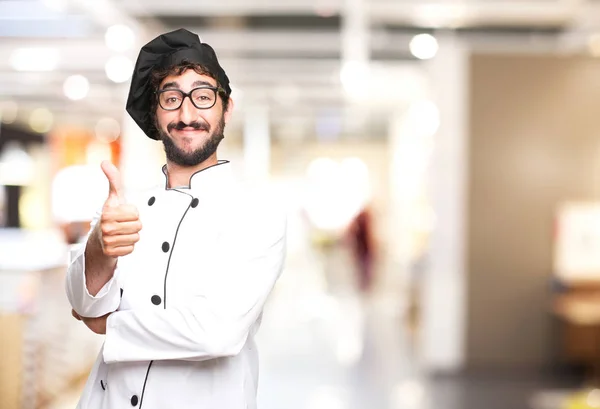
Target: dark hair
(159,75)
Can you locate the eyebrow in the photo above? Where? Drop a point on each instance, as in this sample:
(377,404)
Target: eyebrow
(175,84)
(200,83)
(171,84)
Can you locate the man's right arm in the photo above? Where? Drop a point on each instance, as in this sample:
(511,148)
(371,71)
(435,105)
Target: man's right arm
(90,281)
(92,272)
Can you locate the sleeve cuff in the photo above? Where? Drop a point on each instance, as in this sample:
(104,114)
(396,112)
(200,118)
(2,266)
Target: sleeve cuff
(85,304)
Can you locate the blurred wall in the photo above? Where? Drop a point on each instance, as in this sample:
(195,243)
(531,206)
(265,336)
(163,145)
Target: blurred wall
(291,162)
(534,142)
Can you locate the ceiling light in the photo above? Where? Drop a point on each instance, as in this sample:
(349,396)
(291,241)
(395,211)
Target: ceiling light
(8,111)
(76,87)
(424,46)
(41,120)
(119,38)
(34,59)
(119,68)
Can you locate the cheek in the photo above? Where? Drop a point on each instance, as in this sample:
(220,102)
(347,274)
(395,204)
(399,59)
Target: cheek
(163,118)
(213,118)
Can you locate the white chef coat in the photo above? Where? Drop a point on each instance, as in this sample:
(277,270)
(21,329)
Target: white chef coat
(188,299)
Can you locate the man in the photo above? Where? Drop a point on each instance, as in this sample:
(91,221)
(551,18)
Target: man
(180,299)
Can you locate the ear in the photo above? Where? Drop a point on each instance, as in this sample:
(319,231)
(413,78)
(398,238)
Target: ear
(229,110)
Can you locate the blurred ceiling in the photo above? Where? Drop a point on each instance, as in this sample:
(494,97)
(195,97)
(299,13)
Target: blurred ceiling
(287,54)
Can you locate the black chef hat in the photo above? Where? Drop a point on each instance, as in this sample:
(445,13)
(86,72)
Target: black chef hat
(165,51)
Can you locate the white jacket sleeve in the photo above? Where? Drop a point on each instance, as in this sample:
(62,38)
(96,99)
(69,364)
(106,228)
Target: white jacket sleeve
(214,324)
(86,305)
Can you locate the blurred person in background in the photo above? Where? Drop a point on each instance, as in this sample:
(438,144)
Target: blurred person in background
(362,248)
(179,300)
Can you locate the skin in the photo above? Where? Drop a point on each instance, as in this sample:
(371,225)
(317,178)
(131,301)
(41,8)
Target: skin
(118,230)
(190,139)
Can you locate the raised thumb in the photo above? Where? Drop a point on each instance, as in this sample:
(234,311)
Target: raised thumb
(115,186)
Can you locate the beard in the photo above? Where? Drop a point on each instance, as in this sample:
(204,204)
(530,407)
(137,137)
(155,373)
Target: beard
(180,157)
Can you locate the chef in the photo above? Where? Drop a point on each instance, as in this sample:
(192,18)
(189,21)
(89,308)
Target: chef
(176,277)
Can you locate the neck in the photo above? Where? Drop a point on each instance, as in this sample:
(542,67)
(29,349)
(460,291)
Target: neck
(180,175)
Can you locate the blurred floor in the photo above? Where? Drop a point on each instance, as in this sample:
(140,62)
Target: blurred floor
(353,357)
(334,349)
(323,346)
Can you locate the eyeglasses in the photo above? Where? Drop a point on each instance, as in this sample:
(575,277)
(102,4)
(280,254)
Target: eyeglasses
(201,97)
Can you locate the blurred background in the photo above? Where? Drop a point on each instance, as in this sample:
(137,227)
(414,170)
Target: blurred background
(440,164)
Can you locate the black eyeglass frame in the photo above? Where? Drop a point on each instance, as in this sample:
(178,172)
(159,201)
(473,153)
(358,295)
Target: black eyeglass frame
(216,90)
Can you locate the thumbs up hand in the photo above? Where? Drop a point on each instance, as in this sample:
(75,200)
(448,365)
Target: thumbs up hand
(115,188)
(120,223)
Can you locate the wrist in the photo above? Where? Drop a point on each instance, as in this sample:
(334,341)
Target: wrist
(99,268)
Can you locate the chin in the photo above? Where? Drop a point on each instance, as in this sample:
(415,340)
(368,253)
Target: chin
(189,148)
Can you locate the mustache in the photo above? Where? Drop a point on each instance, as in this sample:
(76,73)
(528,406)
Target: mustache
(198,126)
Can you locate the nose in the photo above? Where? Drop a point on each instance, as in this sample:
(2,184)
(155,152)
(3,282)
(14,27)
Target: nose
(187,111)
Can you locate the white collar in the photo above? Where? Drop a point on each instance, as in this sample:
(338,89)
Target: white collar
(210,178)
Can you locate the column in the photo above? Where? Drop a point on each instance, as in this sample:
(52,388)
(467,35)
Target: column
(355,32)
(257,144)
(443,293)
(355,53)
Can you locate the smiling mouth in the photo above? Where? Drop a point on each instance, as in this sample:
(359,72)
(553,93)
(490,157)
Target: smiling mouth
(190,130)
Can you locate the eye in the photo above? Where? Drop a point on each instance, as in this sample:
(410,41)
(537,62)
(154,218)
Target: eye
(170,98)
(203,96)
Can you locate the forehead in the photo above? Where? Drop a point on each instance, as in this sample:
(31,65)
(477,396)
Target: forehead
(188,79)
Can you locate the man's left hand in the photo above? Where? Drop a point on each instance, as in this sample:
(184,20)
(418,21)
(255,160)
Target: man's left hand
(97,325)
